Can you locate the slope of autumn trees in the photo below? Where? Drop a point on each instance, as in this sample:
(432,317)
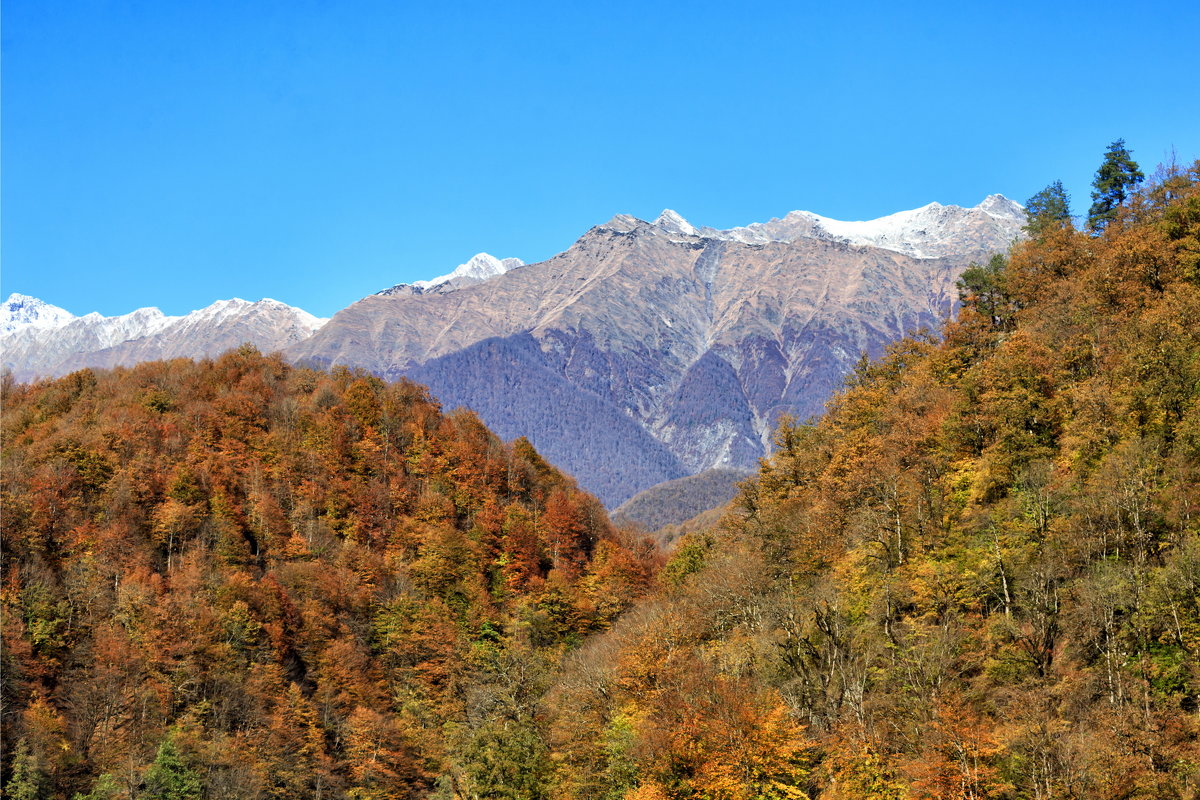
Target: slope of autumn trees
(238,579)
(978,576)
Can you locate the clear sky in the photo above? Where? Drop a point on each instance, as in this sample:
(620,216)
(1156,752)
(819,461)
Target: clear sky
(172,153)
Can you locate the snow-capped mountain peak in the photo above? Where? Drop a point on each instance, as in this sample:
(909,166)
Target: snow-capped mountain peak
(226,310)
(1000,206)
(931,231)
(672,222)
(303,318)
(123,327)
(481,267)
(21,310)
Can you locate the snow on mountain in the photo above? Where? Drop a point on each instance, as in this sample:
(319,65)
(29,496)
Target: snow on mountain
(44,350)
(224,311)
(21,310)
(925,232)
(36,351)
(670,221)
(932,231)
(480,268)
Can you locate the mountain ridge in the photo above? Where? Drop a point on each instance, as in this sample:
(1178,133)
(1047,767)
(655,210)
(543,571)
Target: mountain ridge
(64,342)
(699,337)
(903,231)
(702,339)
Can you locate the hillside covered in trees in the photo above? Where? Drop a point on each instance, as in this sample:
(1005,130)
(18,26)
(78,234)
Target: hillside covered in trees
(234,578)
(977,576)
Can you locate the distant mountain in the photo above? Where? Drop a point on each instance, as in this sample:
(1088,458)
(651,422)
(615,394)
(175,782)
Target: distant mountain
(40,340)
(21,311)
(698,337)
(508,382)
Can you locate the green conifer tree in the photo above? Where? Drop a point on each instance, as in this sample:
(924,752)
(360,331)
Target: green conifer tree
(27,780)
(985,288)
(1048,209)
(1117,175)
(507,760)
(170,778)
(105,788)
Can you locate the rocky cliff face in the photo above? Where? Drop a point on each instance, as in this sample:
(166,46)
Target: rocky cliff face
(648,351)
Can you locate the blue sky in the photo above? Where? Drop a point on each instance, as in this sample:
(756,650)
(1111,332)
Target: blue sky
(174,153)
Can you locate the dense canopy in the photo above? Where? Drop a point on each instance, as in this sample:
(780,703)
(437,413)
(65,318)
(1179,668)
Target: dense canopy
(261,581)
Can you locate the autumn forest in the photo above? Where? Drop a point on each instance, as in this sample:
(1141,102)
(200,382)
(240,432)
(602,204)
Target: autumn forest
(976,576)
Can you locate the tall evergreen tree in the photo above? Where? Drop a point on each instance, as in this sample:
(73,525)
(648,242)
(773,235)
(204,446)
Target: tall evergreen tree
(1117,175)
(170,778)
(1048,209)
(984,288)
(27,781)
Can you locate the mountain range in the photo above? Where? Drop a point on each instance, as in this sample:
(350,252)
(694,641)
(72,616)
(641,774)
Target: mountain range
(645,352)
(41,340)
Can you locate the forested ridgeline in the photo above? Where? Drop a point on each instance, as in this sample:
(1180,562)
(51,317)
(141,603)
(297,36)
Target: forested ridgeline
(977,576)
(235,578)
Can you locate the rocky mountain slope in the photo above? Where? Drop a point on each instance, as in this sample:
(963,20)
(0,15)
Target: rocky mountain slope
(40,340)
(652,350)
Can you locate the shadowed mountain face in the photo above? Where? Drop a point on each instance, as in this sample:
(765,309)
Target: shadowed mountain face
(649,351)
(513,383)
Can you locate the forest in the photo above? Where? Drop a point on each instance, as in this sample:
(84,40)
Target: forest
(976,576)
(238,579)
